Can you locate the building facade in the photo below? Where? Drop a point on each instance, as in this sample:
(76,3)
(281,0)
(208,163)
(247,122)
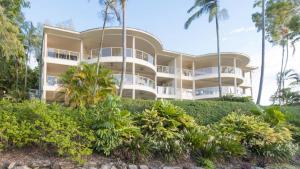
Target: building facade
(152,72)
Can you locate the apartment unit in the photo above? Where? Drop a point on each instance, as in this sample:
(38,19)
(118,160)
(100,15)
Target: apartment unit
(152,72)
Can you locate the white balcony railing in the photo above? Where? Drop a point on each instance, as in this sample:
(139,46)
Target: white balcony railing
(214,70)
(63,54)
(214,91)
(165,69)
(139,80)
(187,93)
(53,81)
(117,51)
(165,90)
(187,72)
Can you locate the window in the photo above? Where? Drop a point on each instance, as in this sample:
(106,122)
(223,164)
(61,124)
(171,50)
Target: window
(106,52)
(116,52)
(128,52)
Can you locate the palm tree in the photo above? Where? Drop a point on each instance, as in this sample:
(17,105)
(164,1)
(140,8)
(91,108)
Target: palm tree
(31,41)
(212,7)
(123,5)
(110,5)
(261,82)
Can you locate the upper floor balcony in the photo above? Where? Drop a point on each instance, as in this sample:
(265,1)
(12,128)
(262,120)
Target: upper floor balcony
(114,54)
(213,72)
(59,56)
(165,71)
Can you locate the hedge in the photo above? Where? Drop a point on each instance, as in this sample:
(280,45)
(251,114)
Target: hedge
(205,112)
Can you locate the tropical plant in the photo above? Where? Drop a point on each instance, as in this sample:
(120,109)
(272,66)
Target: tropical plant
(79,84)
(112,126)
(212,7)
(164,126)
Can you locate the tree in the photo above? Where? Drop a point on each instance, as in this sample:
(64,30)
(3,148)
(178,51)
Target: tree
(212,8)
(32,42)
(124,40)
(110,11)
(278,18)
(79,84)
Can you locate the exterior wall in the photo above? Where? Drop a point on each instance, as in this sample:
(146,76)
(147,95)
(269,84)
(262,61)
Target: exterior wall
(152,72)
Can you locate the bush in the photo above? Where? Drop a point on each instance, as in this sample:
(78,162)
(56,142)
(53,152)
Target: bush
(164,126)
(258,137)
(48,127)
(204,112)
(112,126)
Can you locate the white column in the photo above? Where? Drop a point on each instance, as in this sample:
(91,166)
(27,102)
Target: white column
(176,76)
(133,67)
(194,83)
(44,61)
(81,51)
(180,60)
(235,82)
(155,74)
(251,83)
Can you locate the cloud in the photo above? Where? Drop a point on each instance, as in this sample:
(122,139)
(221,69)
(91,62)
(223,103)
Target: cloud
(243,30)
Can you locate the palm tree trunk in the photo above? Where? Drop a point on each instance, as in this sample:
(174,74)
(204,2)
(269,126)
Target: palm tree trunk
(262,54)
(281,72)
(124,48)
(286,60)
(101,44)
(26,72)
(219,56)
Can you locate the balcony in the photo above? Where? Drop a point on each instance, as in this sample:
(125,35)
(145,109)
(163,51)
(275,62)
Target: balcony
(60,56)
(187,94)
(187,72)
(212,92)
(166,91)
(53,83)
(118,52)
(214,71)
(139,80)
(165,69)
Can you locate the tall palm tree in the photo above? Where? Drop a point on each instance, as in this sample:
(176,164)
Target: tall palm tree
(124,42)
(261,82)
(110,10)
(212,8)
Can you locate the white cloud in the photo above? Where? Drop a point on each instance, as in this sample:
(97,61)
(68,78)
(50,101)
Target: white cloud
(243,30)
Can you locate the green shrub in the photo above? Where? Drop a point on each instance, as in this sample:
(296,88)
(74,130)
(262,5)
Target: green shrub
(164,126)
(206,163)
(112,126)
(48,127)
(258,137)
(204,112)
(235,99)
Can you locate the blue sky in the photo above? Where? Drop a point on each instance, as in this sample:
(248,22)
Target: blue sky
(165,19)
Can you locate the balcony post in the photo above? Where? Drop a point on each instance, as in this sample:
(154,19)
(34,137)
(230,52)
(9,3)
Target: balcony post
(194,83)
(81,51)
(251,90)
(44,76)
(133,47)
(155,82)
(133,80)
(235,82)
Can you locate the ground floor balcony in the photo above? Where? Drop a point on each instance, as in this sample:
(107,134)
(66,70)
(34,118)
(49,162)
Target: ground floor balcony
(166,92)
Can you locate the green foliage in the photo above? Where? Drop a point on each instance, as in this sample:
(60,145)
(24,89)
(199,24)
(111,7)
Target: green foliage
(50,127)
(206,163)
(232,98)
(84,87)
(164,126)
(204,112)
(258,137)
(112,126)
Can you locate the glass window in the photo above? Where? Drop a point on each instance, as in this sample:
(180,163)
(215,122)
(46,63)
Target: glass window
(128,52)
(116,52)
(106,52)
(51,53)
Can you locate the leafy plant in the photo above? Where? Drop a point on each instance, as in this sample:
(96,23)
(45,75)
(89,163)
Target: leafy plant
(164,126)
(112,126)
(84,87)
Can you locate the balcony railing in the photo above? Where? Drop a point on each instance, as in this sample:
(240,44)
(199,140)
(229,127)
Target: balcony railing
(144,56)
(63,54)
(139,80)
(214,70)
(117,51)
(166,90)
(187,72)
(214,91)
(53,81)
(188,93)
(165,69)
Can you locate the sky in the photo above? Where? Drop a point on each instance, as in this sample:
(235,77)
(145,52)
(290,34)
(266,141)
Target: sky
(165,19)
